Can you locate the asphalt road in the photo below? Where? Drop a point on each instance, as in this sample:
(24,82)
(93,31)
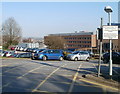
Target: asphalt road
(25,75)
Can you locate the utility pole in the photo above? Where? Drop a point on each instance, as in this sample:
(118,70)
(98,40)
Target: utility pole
(100,38)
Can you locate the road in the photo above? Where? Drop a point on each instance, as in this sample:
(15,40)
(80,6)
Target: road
(25,75)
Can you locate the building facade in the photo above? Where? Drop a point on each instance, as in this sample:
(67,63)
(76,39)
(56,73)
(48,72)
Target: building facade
(78,40)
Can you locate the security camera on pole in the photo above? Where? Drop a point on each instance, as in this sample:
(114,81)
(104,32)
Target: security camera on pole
(110,32)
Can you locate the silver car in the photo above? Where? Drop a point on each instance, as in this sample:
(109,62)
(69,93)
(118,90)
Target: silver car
(79,55)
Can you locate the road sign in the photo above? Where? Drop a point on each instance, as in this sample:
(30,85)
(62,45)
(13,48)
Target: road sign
(110,32)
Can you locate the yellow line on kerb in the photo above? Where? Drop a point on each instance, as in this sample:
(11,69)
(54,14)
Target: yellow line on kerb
(85,80)
(74,79)
(47,78)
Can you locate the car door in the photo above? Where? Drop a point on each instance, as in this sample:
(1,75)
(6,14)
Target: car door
(49,54)
(56,54)
(83,56)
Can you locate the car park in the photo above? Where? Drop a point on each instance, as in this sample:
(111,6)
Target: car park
(79,55)
(50,54)
(115,57)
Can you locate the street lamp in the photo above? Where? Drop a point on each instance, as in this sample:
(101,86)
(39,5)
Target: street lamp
(109,10)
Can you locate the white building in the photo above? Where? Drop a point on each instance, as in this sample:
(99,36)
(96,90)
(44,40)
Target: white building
(29,45)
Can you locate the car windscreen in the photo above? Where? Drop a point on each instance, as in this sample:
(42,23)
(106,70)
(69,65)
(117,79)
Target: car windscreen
(76,52)
(44,51)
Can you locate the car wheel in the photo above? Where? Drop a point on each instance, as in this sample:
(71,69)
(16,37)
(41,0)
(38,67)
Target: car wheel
(88,59)
(44,58)
(61,58)
(76,59)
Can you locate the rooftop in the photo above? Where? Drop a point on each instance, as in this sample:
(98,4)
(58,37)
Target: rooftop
(72,34)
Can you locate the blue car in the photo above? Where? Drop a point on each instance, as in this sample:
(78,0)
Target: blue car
(52,54)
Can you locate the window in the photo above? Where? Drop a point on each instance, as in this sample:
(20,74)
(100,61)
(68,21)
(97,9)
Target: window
(56,51)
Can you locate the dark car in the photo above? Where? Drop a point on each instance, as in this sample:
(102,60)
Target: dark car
(66,52)
(23,55)
(115,57)
(28,49)
(35,53)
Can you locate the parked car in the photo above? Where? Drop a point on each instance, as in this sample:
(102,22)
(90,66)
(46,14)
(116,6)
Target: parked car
(12,48)
(17,48)
(34,50)
(79,55)
(91,53)
(35,53)
(115,57)
(8,53)
(2,53)
(66,52)
(50,54)
(28,49)
(23,55)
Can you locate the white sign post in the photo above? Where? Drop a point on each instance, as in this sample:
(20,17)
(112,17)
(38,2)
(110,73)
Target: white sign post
(110,32)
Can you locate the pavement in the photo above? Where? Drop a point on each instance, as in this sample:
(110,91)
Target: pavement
(104,77)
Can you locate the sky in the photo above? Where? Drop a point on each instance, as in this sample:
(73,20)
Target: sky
(38,19)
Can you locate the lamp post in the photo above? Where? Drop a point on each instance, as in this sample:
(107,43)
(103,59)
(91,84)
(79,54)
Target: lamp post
(108,9)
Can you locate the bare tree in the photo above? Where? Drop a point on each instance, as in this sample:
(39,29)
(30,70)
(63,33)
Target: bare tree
(11,32)
(54,42)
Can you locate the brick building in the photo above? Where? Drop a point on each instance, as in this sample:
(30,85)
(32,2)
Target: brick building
(78,40)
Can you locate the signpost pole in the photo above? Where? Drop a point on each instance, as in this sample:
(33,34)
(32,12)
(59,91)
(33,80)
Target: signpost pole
(110,63)
(100,54)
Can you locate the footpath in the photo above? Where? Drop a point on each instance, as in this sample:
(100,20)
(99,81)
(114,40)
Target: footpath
(104,78)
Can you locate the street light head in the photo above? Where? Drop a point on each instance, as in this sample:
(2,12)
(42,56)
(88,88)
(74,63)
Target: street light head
(108,9)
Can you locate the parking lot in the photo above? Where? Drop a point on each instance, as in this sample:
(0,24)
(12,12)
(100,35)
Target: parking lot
(25,75)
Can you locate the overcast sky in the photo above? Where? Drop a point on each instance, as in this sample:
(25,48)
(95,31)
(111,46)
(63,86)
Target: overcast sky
(38,19)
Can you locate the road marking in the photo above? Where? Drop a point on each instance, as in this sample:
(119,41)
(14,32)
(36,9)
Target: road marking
(74,79)
(47,78)
(22,76)
(29,72)
(46,92)
(85,80)
(4,65)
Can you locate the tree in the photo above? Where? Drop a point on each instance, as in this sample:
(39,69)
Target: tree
(54,42)
(11,33)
